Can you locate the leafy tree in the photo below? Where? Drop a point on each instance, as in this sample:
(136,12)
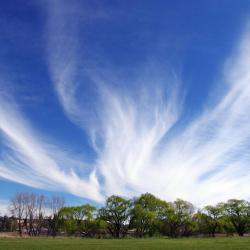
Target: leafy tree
(178,217)
(67,220)
(238,212)
(146,214)
(142,220)
(116,213)
(7,224)
(199,224)
(226,225)
(212,217)
(85,218)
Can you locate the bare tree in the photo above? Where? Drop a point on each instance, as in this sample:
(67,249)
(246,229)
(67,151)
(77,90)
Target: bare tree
(31,212)
(41,207)
(55,204)
(17,209)
(26,211)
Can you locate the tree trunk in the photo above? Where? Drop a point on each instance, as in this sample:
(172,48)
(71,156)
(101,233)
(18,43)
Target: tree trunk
(241,234)
(20,227)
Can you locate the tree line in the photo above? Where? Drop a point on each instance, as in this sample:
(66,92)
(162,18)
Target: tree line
(143,216)
(31,213)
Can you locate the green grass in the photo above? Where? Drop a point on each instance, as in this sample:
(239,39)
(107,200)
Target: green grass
(124,244)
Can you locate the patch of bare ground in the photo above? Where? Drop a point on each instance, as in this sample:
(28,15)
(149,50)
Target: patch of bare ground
(8,234)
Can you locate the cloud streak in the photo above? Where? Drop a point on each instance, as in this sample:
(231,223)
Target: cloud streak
(140,146)
(135,127)
(26,158)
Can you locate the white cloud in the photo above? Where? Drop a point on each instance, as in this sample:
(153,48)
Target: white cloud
(140,145)
(29,160)
(205,161)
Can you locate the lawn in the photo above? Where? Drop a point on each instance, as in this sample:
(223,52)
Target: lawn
(124,244)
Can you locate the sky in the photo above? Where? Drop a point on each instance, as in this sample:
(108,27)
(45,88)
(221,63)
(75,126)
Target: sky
(125,97)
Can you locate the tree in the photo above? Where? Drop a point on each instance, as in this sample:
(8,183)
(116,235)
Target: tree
(54,204)
(17,209)
(30,211)
(116,213)
(145,215)
(77,219)
(238,212)
(41,207)
(7,224)
(178,217)
(199,224)
(87,213)
(34,210)
(67,220)
(212,218)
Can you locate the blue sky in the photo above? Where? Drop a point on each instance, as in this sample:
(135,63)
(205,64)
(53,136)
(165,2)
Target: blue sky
(125,97)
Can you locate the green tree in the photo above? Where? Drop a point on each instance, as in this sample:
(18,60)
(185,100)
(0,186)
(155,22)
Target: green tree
(86,218)
(117,214)
(146,214)
(178,219)
(67,220)
(212,217)
(78,219)
(199,224)
(238,212)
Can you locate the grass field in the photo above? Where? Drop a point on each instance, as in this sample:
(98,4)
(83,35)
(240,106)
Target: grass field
(133,244)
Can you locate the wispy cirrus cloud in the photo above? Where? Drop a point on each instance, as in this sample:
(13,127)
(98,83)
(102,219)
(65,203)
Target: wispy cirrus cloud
(135,126)
(139,146)
(27,158)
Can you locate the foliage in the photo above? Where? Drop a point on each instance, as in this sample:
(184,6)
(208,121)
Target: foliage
(78,219)
(146,214)
(238,212)
(143,216)
(117,214)
(178,219)
(211,219)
